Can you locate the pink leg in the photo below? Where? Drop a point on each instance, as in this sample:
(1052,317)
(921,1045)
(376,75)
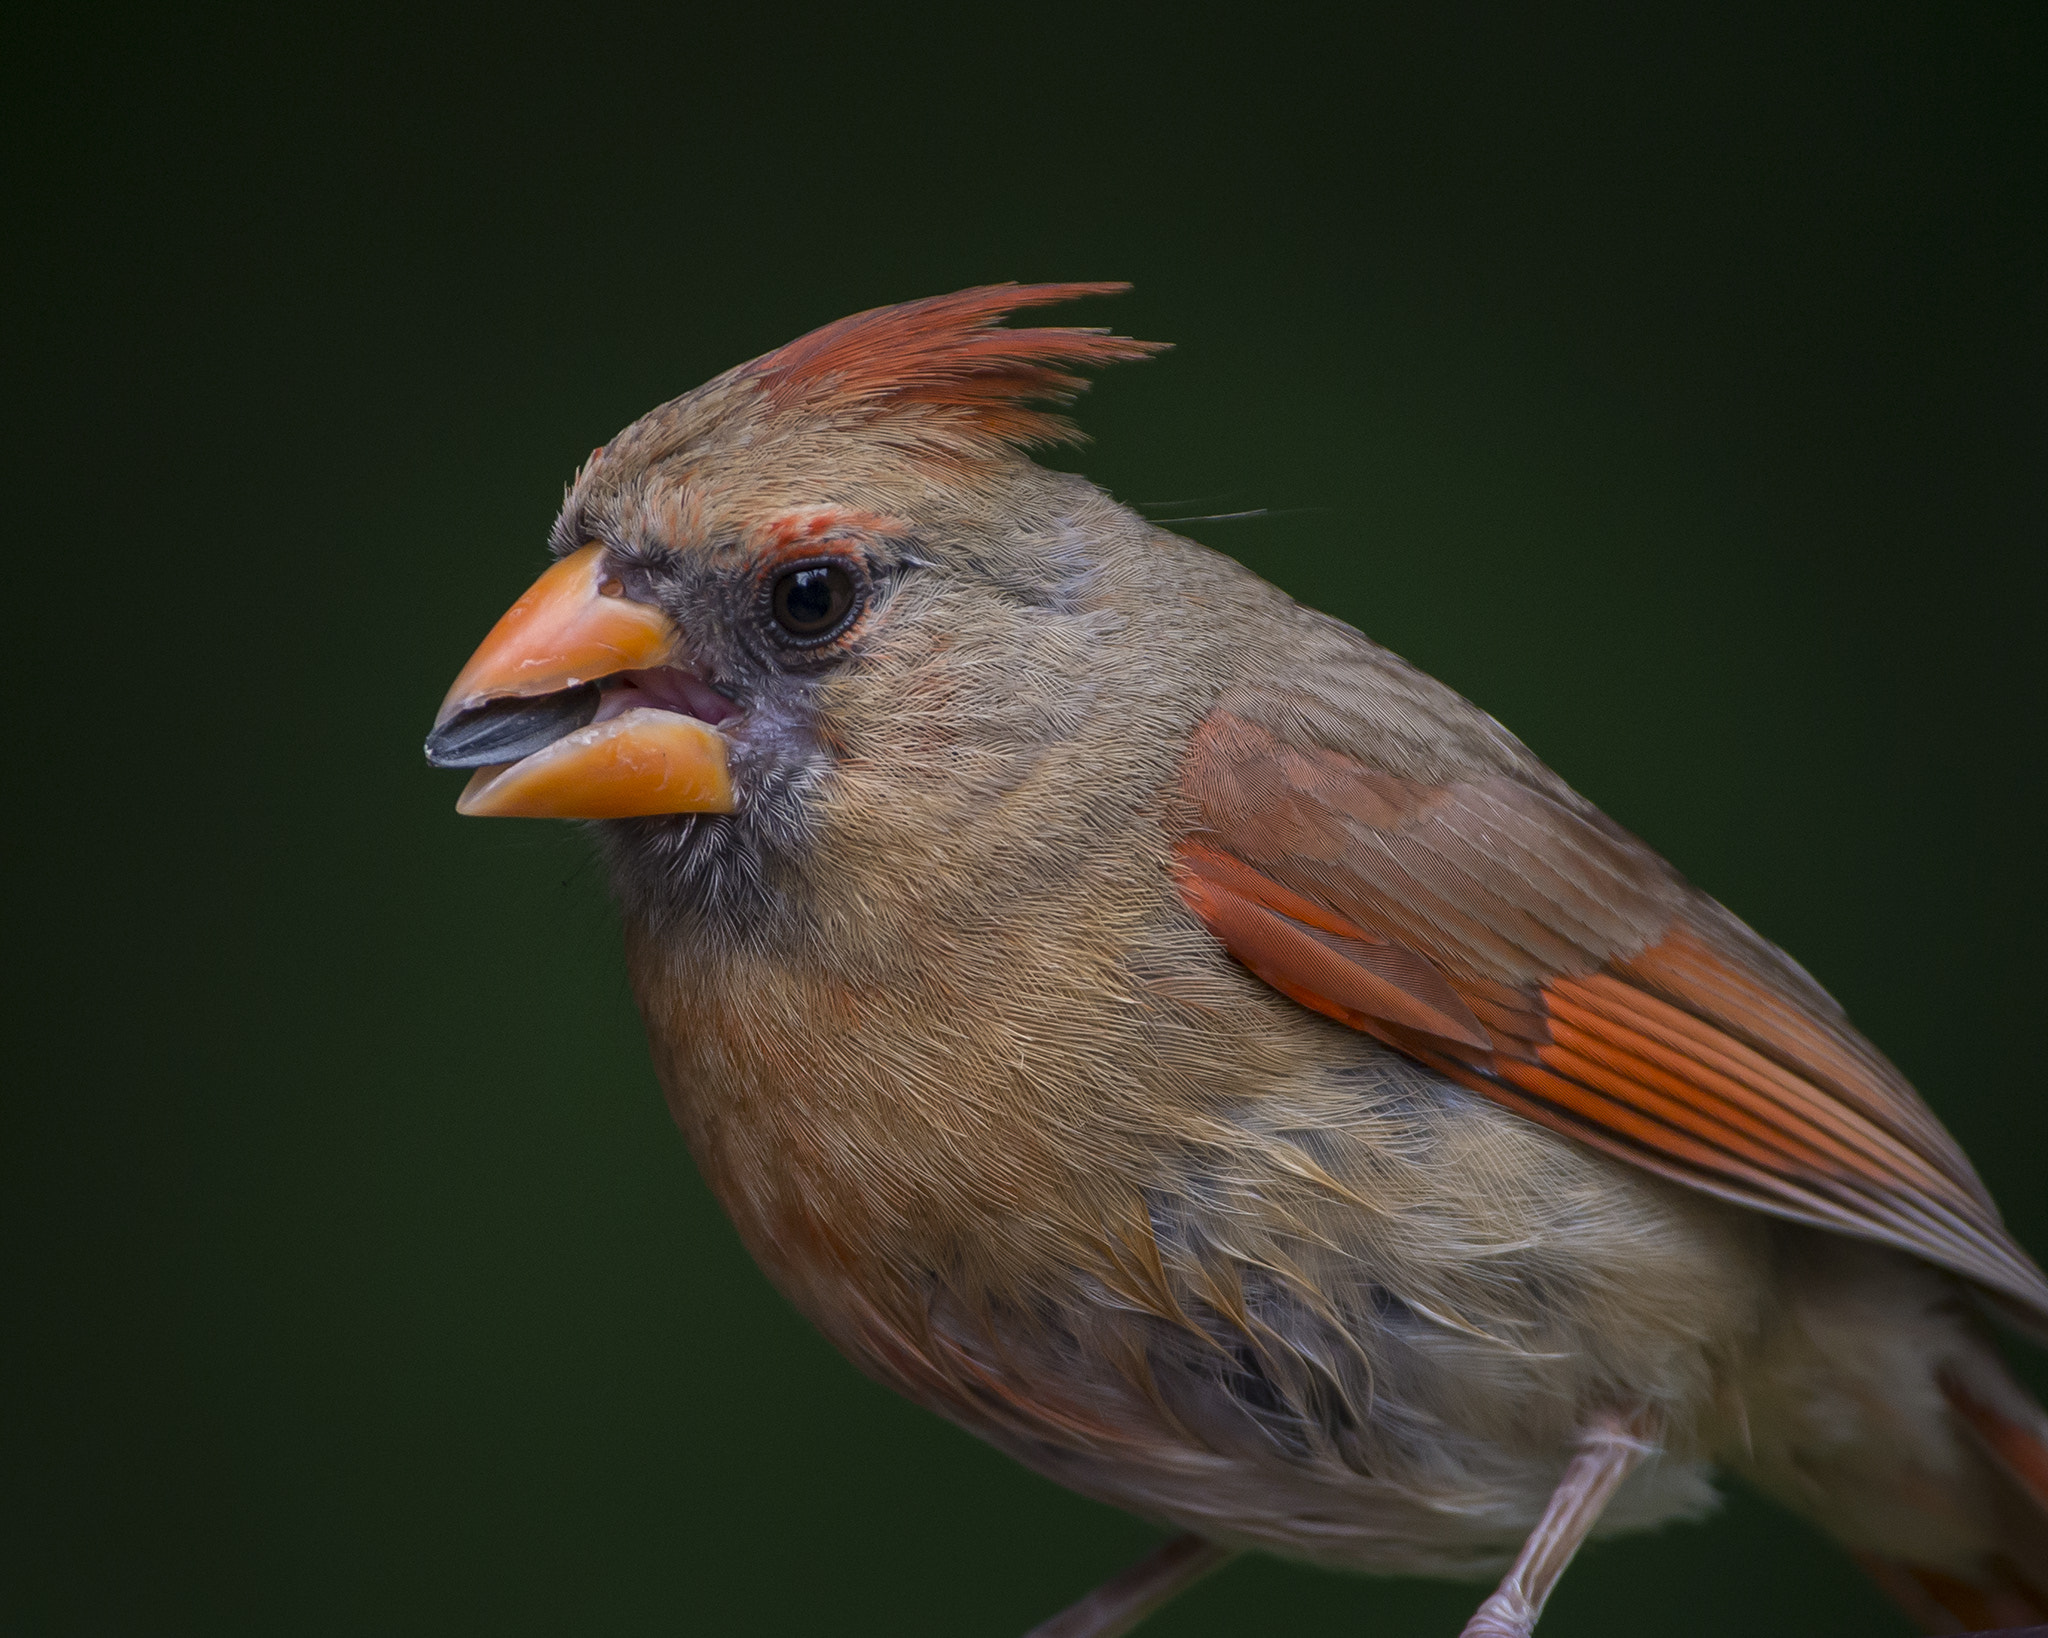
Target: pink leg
(1124,1600)
(1609,1448)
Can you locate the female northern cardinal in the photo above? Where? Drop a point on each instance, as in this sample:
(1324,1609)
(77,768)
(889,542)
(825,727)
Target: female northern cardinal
(1140,1019)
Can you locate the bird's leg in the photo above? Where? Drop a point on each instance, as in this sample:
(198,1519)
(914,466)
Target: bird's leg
(1125,1599)
(1609,1447)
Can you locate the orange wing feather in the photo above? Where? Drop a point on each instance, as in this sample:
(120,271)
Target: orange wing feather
(1518,942)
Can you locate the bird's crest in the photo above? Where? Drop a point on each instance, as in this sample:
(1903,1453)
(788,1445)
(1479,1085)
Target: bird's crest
(977,381)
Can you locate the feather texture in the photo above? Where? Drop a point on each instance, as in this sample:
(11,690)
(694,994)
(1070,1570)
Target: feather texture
(951,354)
(1524,946)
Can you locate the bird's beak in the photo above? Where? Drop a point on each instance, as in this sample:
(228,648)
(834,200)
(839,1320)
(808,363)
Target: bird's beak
(548,742)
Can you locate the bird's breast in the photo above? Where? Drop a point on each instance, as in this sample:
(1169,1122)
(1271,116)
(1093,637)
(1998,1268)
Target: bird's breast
(869,1135)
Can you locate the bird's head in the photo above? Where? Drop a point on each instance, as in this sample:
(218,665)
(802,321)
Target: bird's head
(827,587)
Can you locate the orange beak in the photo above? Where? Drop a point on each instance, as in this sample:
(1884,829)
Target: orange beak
(574,627)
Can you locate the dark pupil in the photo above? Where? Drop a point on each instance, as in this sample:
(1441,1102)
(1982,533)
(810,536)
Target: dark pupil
(812,599)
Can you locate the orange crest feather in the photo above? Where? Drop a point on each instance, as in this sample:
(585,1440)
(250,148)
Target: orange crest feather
(950,353)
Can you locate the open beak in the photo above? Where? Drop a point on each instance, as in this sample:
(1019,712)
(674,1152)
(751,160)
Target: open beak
(576,706)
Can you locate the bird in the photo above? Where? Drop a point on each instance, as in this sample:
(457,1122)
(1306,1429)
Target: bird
(1142,1020)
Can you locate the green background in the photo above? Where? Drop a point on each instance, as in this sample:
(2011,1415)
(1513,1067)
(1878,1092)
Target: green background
(1674,385)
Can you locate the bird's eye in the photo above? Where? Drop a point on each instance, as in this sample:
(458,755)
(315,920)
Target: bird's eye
(815,602)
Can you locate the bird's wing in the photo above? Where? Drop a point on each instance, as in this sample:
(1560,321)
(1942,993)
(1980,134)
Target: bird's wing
(1501,930)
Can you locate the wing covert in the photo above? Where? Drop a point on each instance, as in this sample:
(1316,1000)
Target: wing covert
(1510,936)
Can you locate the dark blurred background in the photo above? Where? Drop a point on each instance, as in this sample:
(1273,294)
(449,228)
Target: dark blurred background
(1674,385)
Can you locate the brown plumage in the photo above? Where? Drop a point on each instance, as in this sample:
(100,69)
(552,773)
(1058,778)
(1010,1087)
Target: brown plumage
(1144,1021)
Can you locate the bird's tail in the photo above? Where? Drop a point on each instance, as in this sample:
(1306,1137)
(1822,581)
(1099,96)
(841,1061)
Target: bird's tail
(2001,1482)
(1880,1409)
